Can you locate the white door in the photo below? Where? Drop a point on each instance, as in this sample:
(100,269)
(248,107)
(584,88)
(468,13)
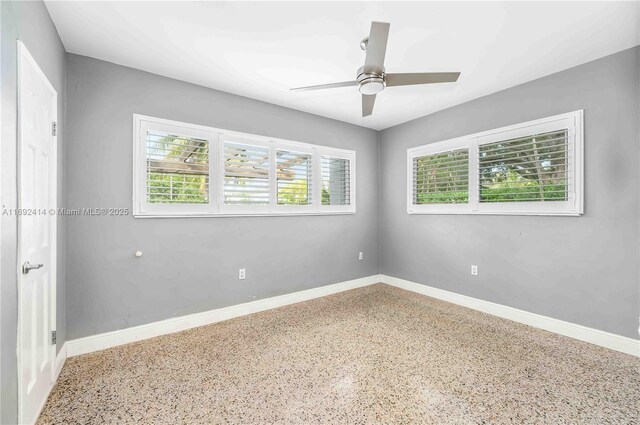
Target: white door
(36,235)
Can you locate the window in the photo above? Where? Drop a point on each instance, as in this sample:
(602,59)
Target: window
(295,177)
(441,178)
(177,169)
(189,170)
(246,174)
(530,168)
(526,169)
(336,181)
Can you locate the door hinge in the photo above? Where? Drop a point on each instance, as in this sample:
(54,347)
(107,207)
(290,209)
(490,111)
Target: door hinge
(54,128)
(53,337)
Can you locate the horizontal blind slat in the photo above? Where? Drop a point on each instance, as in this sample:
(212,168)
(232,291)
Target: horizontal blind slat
(522,142)
(526,169)
(441,178)
(336,180)
(489,154)
(177,169)
(246,174)
(294,178)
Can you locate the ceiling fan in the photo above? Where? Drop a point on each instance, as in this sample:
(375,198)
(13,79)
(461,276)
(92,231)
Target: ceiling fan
(371,78)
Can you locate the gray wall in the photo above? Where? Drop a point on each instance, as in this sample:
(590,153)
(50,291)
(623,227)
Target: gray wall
(584,270)
(191,264)
(29,22)
(579,269)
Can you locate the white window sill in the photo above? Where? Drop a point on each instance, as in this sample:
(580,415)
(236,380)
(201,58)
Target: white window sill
(559,214)
(256,214)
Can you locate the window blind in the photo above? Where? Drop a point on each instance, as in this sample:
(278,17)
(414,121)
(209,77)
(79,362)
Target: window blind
(336,181)
(183,169)
(177,169)
(441,178)
(246,174)
(528,169)
(294,178)
(531,168)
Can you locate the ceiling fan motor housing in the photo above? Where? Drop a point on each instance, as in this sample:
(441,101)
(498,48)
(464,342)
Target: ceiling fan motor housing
(370,83)
(371,78)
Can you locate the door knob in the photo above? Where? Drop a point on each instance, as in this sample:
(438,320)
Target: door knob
(26,267)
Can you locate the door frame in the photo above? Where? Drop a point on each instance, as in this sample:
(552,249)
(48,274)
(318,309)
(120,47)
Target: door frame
(24,54)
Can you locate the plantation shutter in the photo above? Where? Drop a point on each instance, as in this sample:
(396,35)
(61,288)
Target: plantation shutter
(527,169)
(294,178)
(190,170)
(336,181)
(246,174)
(177,169)
(441,178)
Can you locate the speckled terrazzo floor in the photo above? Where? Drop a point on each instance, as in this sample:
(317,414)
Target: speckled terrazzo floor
(375,355)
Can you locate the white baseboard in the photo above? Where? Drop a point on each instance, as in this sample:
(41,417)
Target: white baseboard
(583,333)
(106,340)
(98,342)
(60,359)
(55,371)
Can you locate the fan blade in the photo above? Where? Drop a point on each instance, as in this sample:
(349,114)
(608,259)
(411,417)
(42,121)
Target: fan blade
(411,79)
(367,104)
(327,86)
(376,47)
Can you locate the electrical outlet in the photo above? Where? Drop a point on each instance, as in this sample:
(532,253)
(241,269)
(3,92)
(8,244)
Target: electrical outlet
(361,256)
(474,270)
(241,274)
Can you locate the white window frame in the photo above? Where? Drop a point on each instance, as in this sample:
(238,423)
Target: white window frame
(432,149)
(315,189)
(338,154)
(219,181)
(574,206)
(216,206)
(140,206)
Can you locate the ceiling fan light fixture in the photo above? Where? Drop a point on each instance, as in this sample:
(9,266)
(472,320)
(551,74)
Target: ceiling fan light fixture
(371,78)
(372,85)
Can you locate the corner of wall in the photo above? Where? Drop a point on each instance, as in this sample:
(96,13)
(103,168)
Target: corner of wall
(379,224)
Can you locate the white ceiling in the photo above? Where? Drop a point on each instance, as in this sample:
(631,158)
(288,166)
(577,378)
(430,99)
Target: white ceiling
(262,49)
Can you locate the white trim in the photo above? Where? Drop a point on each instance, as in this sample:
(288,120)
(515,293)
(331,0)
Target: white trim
(574,206)
(58,365)
(540,121)
(61,358)
(216,206)
(106,340)
(572,330)
(287,213)
(57,368)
